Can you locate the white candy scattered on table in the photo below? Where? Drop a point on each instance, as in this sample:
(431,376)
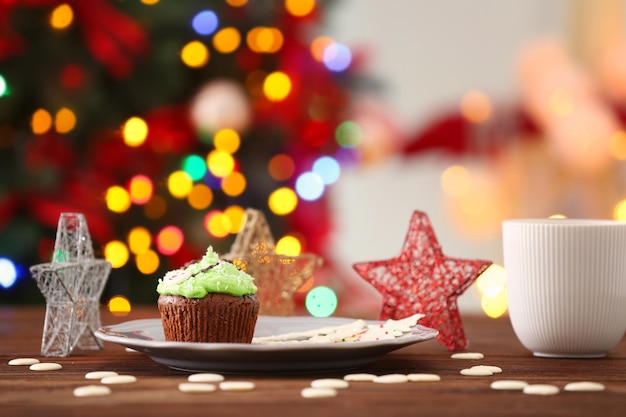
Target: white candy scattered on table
(584,386)
(91,391)
(423,377)
(362,377)
(119,379)
(45,366)
(476,372)
(491,368)
(391,379)
(23,361)
(330,383)
(311,392)
(509,385)
(196,387)
(467,355)
(541,389)
(205,377)
(99,374)
(237,385)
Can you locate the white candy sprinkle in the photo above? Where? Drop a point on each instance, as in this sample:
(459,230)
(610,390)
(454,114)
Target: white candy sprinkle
(423,377)
(99,374)
(131,350)
(360,377)
(541,389)
(45,366)
(584,386)
(195,387)
(467,355)
(91,391)
(493,369)
(391,379)
(509,385)
(476,372)
(23,361)
(118,379)
(236,386)
(318,392)
(330,383)
(205,377)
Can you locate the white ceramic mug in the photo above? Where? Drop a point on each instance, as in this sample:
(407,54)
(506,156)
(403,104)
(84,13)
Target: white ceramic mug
(566,284)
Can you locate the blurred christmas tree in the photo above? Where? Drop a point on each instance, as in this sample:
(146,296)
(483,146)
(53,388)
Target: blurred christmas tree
(162,121)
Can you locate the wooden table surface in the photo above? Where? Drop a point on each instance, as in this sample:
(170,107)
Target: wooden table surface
(25,392)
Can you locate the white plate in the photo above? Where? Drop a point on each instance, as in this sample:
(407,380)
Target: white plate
(147,336)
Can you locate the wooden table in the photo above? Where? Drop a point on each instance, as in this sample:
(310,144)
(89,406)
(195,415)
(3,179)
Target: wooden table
(25,392)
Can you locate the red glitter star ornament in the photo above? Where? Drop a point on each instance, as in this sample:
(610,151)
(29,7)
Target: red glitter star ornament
(423,280)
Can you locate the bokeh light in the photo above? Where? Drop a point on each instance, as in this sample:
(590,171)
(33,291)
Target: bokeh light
(321,301)
(456,180)
(194,166)
(277,86)
(319,45)
(619,211)
(227,140)
(476,107)
(234,184)
(348,134)
(200,197)
(65,120)
(119,305)
(237,216)
(195,54)
(140,189)
(561,102)
(41,121)
(117,253)
(179,184)
(337,57)
(299,8)
(135,131)
(217,224)
(139,240)
(309,186)
(265,39)
(8,273)
(492,285)
(282,201)
(617,145)
(227,40)
(147,262)
(62,16)
(220,163)
(327,168)
(237,3)
(4,87)
(205,22)
(281,167)
(169,240)
(288,245)
(117,199)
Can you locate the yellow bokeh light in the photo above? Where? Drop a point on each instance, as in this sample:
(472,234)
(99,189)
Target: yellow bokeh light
(135,131)
(558,216)
(456,180)
(494,306)
(195,54)
(263,39)
(288,245)
(476,107)
(561,103)
(299,8)
(492,281)
(237,216)
(155,208)
(227,40)
(200,197)
(619,211)
(117,253)
(179,184)
(237,3)
(281,167)
(117,199)
(217,224)
(227,140)
(62,16)
(277,86)
(147,262)
(220,163)
(41,121)
(65,120)
(319,45)
(139,240)
(282,201)
(140,189)
(119,305)
(149,2)
(617,145)
(234,184)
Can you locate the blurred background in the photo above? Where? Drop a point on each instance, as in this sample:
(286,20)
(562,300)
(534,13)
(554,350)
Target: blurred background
(162,121)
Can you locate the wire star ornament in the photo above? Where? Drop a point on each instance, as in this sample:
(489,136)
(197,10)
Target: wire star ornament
(423,280)
(277,277)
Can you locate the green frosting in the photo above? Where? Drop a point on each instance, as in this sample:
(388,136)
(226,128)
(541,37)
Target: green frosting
(209,275)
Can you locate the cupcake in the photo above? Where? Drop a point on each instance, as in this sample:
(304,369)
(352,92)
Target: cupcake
(208,301)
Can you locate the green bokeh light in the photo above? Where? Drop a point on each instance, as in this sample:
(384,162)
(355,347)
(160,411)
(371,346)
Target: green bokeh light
(321,301)
(195,166)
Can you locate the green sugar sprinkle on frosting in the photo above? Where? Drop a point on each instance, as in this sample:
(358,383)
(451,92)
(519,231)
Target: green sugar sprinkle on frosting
(210,275)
